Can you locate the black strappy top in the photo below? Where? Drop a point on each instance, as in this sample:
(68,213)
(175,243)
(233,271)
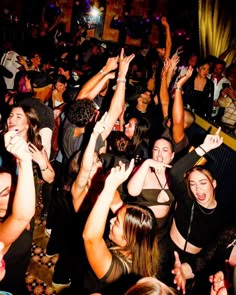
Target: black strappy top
(149,197)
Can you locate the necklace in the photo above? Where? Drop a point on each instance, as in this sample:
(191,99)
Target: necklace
(208,212)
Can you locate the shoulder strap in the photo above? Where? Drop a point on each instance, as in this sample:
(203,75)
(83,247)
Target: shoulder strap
(189,227)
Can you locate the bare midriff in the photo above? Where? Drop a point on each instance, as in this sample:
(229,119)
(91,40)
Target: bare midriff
(180,241)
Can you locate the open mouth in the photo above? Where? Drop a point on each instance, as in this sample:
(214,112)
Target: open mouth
(201,197)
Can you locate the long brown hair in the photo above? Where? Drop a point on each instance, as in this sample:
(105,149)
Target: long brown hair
(140,231)
(33,122)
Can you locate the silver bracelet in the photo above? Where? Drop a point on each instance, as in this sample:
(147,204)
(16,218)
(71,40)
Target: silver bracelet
(102,72)
(121,80)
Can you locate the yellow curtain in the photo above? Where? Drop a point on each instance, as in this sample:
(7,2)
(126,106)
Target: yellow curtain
(215,29)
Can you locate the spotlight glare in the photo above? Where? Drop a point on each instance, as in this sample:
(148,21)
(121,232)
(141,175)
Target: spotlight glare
(94,12)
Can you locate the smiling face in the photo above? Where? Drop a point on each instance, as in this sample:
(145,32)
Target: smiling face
(117,228)
(202,188)
(5,187)
(18,120)
(162,151)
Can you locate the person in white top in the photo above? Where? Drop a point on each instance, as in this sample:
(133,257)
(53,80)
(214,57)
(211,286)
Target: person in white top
(220,82)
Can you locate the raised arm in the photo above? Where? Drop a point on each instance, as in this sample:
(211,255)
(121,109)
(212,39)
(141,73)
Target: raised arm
(164,94)
(172,68)
(79,186)
(118,100)
(178,109)
(23,207)
(211,141)
(165,23)
(99,256)
(95,84)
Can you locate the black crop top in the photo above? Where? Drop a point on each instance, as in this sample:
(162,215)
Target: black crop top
(206,223)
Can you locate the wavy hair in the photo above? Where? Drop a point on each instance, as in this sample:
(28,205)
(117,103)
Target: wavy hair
(33,135)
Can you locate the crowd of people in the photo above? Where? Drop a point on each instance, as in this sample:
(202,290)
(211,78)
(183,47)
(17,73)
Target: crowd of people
(104,132)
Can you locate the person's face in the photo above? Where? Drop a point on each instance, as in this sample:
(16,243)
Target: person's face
(162,151)
(202,188)
(130,128)
(193,60)
(60,86)
(117,228)
(146,97)
(219,69)
(18,120)
(61,71)
(36,60)
(95,50)
(204,70)
(5,188)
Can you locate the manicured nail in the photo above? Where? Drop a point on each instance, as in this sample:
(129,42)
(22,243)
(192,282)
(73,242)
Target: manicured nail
(16,129)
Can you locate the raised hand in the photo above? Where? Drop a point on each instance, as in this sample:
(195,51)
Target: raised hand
(119,174)
(164,21)
(174,61)
(100,126)
(111,64)
(183,79)
(124,62)
(165,68)
(179,50)
(212,141)
(17,146)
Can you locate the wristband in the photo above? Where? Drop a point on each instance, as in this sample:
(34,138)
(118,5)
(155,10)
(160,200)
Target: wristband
(202,149)
(44,169)
(121,80)
(179,88)
(102,72)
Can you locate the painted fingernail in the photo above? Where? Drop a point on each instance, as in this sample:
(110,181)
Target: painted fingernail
(16,129)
